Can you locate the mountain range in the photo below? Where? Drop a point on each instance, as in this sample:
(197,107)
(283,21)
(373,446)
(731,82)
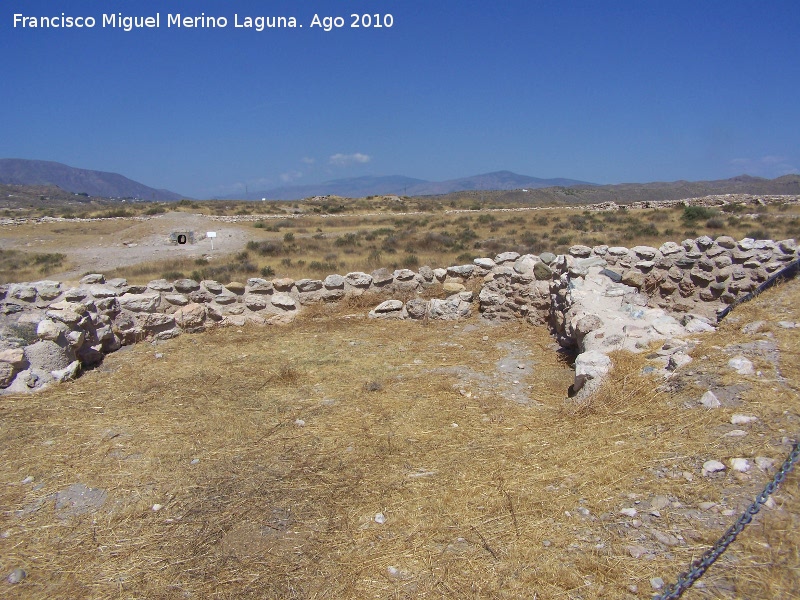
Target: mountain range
(357,187)
(499,185)
(18,171)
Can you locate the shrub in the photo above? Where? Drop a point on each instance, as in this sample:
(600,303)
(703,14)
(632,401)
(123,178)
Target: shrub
(266,248)
(49,260)
(172,275)
(579,222)
(288,237)
(465,257)
(259,224)
(564,240)
(267,271)
(692,214)
(320,266)
(348,239)
(116,212)
(155,210)
(759,234)
(374,258)
(715,223)
(410,261)
(733,208)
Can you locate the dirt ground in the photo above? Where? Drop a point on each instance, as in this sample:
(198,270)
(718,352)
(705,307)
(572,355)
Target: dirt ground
(101,246)
(339,457)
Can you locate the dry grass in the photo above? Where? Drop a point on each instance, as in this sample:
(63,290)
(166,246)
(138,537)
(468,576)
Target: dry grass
(490,508)
(368,236)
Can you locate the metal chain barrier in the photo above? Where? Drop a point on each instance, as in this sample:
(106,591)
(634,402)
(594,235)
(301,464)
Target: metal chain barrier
(700,565)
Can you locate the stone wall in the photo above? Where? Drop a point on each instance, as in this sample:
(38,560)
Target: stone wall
(605,299)
(48,332)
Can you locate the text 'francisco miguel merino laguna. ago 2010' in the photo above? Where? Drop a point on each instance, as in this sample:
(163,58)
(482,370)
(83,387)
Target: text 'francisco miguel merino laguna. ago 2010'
(202,21)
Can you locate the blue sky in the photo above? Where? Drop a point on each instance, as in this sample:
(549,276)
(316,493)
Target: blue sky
(606,92)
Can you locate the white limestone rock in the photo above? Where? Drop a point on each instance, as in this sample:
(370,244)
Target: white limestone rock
(710,400)
(741,365)
(742,465)
(712,466)
(588,366)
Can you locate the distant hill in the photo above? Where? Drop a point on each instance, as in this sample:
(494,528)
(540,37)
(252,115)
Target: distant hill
(400,185)
(624,193)
(17,171)
(497,180)
(355,187)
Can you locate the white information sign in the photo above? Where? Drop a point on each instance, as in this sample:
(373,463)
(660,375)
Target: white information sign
(212,235)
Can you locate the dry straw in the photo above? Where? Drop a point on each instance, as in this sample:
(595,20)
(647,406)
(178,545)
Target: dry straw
(271,454)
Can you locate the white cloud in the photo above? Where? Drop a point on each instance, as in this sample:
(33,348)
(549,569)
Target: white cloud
(345,160)
(765,166)
(307,160)
(290,176)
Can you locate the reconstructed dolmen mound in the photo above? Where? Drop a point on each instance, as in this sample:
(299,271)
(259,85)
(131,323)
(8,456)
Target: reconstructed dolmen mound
(594,299)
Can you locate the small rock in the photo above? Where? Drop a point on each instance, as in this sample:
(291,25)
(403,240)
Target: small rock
(546,543)
(742,419)
(736,433)
(17,575)
(636,551)
(159,355)
(665,538)
(657,583)
(741,365)
(629,512)
(194,461)
(698,326)
(707,505)
(300,422)
(157,507)
(659,502)
(678,360)
(740,464)
(380,518)
(712,466)
(633,588)
(28,479)
(753,327)
(764,463)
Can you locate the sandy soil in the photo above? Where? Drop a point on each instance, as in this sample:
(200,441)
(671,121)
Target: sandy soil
(127,242)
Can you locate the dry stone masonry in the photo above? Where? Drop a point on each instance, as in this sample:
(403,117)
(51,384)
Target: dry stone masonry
(594,300)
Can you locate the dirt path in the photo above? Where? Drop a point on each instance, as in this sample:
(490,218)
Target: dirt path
(146,241)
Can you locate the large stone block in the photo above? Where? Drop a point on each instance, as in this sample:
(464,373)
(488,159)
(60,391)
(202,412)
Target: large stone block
(140,302)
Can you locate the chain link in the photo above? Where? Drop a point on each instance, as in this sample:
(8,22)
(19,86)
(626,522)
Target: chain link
(699,566)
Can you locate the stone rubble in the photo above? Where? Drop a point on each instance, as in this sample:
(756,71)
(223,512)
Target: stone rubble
(595,300)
